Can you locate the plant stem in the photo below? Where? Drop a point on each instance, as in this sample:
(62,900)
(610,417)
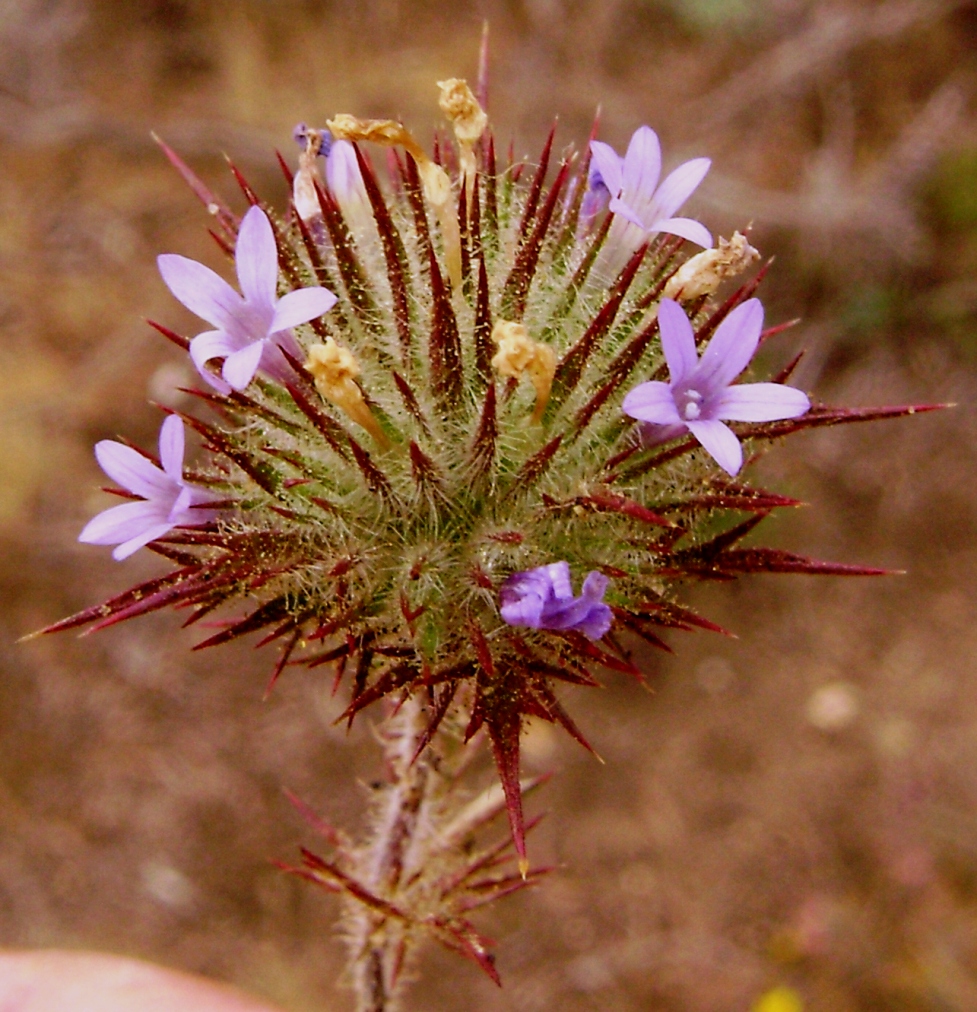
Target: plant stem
(379,944)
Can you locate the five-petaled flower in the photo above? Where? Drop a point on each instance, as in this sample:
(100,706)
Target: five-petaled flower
(543,599)
(168,500)
(641,206)
(700,391)
(253,326)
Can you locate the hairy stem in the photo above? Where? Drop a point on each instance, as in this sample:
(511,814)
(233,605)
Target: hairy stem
(379,944)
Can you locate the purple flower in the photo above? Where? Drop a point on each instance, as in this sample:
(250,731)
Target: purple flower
(642,206)
(250,328)
(700,391)
(543,599)
(168,500)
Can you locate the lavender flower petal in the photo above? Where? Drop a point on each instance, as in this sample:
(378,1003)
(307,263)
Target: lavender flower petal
(120,523)
(719,442)
(686,228)
(343,171)
(203,292)
(171,447)
(522,597)
(130,469)
(679,185)
(300,306)
(624,210)
(240,366)
(598,617)
(761,402)
(127,548)
(256,259)
(208,345)
(652,402)
(732,346)
(346,185)
(678,340)
(642,167)
(609,166)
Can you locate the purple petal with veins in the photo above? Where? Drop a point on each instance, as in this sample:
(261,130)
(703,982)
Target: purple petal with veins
(130,469)
(127,548)
(300,306)
(652,402)
(678,340)
(719,441)
(171,446)
(240,367)
(609,166)
(256,260)
(201,290)
(679,185)
(761,402)
(120,523)
(686,228)
(642,169)
(733,345)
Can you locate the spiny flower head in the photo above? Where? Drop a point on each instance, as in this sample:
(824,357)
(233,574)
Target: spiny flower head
(397,501)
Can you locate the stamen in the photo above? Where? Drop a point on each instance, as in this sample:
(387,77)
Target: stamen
(691,409)
(334,370)
(518,353)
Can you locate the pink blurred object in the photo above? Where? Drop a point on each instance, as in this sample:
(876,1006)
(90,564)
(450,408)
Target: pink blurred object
(58,981)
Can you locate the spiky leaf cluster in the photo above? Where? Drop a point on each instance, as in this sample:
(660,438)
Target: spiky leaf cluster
(427,865)
(386,560)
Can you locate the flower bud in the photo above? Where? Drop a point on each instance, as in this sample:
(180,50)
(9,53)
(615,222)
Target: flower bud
(346,185)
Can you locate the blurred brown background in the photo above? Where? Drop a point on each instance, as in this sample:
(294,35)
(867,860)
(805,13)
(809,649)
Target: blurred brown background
(796,806)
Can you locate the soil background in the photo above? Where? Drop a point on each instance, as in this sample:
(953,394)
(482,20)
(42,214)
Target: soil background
(795,806)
